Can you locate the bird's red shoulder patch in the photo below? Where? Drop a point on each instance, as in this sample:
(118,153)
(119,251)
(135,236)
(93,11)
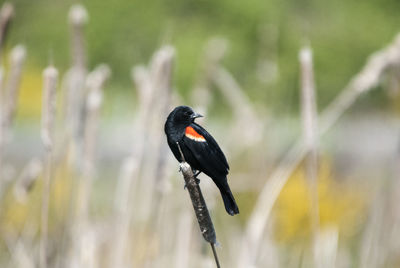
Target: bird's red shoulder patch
(193,135)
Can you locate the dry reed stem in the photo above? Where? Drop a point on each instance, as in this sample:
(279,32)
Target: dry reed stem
(27,179)
(50,79)
(126,190)
(310,136)
(154,91)
(6,15)
(76,78)
(9,97)
(326,247)
(366,79)
(183,235)
(214,51)
(78,17)
(17,59)
(95,83)
(127,185)
(160,74)
(85,237)
(247,122)
(372,250)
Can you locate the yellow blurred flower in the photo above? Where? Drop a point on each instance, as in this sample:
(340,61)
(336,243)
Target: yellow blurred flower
(340,205)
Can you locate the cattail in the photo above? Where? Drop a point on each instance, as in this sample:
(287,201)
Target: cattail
(160,78)
(78,17)
(95,83)
(17,60)
(199,205)
(366,79)
(50,77)
(310,136)
(76,78)
(6,15)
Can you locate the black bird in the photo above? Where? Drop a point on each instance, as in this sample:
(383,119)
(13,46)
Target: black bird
(200,150)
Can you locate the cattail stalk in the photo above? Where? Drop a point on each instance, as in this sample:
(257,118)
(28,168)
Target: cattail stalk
(199,205)
(27,179)
(50,79)
(214,52)
(95,83)
(366,79)
(76,77)
(6,15)
(160,75)
(9,96)
(247,121)
(310,136)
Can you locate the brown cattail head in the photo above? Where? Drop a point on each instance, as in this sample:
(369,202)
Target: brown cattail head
(50,79)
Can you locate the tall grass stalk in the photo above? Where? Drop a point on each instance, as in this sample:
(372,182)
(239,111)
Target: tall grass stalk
(310,136)
(75,78)
(50,79)
(365,80)
(247,121)
(8,101)
(6,15)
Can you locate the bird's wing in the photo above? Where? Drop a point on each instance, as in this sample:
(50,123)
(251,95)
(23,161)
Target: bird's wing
(206,150)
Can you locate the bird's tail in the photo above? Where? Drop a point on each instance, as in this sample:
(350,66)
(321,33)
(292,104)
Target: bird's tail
(229,201)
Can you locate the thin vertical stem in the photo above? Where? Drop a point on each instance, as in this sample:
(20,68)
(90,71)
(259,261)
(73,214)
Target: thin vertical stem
(50,77)
(215,255)
(310,135)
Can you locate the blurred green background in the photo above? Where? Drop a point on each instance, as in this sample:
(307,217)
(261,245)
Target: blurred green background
(263,36)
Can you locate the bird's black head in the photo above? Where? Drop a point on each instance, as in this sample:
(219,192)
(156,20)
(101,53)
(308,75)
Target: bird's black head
(183,115)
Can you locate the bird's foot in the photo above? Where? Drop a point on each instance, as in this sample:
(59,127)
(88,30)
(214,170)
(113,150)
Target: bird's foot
(196,173)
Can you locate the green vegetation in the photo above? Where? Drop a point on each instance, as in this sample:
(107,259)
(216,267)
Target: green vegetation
(123,33)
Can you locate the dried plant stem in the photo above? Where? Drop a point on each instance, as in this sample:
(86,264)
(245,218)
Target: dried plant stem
(199,205)
(310,135)
(75,79)
(8,99)
(95,83)
(215,255)
(6,14)
(366,79)
(160,86)
(50,77)
(247,121)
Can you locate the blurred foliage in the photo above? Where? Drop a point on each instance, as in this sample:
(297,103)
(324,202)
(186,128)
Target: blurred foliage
(16,213)
(340,205)
(261,34)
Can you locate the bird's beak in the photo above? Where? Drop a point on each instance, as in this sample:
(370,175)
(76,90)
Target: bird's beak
(196,115)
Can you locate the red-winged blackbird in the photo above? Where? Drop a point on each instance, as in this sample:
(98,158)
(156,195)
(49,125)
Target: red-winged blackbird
(200,150)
